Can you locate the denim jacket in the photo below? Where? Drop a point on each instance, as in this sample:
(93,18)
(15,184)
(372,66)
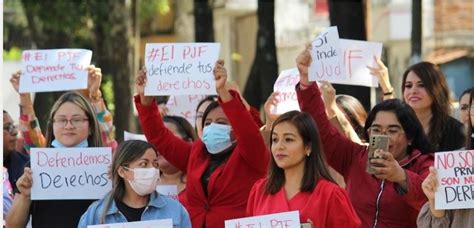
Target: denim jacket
(159,207)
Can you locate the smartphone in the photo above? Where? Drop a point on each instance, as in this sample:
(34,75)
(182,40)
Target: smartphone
(376,142)
(306,225)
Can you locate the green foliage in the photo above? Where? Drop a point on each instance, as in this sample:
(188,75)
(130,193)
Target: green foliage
(108,93)
(150,8)
(14,54)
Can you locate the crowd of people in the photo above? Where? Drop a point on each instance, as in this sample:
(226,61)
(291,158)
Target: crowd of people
(231,165)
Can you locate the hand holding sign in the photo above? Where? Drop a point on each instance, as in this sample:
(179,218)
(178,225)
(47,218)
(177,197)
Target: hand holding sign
(269,107)
(381,73)
(25,182)
(302,62)
(15,81)
(430,184)
(220,76)
(94,81)
(140,83)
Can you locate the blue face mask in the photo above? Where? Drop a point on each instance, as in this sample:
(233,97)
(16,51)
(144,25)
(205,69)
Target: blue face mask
(56,144)
(216,137)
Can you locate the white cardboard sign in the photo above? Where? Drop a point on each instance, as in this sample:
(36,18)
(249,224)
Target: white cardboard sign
(285,219)
(54,70)
(455,179)
(132,136)
(168,190)
(357,56)
(285,84)
(70,173)
(326,57)
(184,106)
(160,223)
(180,68)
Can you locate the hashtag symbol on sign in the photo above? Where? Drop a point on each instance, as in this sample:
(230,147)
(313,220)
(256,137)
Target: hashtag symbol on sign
(26,56)
(152,54)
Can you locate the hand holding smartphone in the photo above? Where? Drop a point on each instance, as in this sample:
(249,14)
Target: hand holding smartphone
(376,143)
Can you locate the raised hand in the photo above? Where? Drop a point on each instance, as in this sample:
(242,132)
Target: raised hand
(302,62)
(381,73)
(15,81)
(140,83)
(25,182)
(220,75)
(269,105)
(430,184)
(93,82)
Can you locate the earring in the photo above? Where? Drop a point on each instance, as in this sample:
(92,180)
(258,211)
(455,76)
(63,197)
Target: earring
(307,155)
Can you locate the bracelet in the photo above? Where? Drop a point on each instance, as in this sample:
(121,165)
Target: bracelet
(388,93)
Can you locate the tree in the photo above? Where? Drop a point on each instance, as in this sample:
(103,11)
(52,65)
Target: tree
(350,21)
(114,54)
(203,21)
(264,69)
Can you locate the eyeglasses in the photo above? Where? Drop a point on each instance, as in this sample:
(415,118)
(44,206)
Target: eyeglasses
(76,122)
(10,128)
(390,131)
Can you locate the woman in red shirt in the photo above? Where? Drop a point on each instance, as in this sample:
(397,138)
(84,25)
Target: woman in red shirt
(299,178)
(223,166)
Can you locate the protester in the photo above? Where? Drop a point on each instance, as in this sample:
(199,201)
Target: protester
(392,197)
(464,106)
(170,175)
(299,179)
(221,168)
(133,197)
(29,125)
(72,123)
(431,217)
(13,160)
(7,194)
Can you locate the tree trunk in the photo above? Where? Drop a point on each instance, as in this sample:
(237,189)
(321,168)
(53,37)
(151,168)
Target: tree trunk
(113,31)
(264,69)
(203,21)
(416,31)
(350,22)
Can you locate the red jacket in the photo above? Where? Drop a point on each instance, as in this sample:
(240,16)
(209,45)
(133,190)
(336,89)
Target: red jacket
(377,202)
(327,206)
(230,184)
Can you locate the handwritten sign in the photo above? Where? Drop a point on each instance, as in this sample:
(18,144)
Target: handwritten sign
(70,173)
(285,219)
(160,223)
(357,56)
(184,106)
(132,136)
(180,68)
(168,190)
(285,84)
(54,70)
(327,57)
(456,179)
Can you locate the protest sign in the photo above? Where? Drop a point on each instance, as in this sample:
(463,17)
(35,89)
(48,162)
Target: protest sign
(54,70)
(357,56)
(168,190)
(184,106)
(70,173)
(285,219)
(285,85)
(180,68)
(160,223)
(132,136)
(326,57)
(456,179)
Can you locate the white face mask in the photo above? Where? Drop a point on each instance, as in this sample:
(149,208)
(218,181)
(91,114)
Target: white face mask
(144,180)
